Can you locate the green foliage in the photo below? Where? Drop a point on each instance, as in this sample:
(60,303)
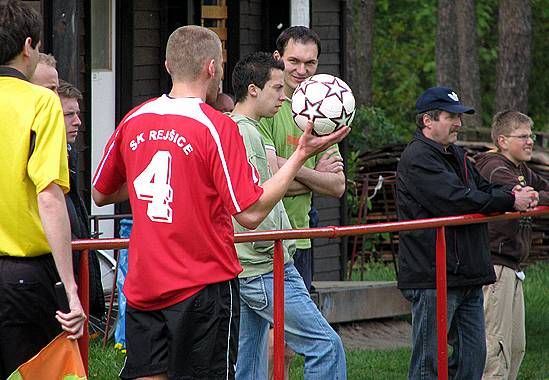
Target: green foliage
(353,198)
(374,271)
(371,130)
(104,363)
(536,299)
(538,96)
(374,240)
(487,39)
(404,58)
(367,365)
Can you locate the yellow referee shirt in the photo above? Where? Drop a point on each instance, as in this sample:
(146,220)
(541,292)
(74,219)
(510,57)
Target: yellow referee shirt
(27,109)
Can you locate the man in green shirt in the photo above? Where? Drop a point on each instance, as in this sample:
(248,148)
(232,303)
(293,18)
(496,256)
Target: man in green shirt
(258,85)
(299,47)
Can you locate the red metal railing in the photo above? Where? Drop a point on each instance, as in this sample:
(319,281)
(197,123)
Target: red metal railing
(328,232)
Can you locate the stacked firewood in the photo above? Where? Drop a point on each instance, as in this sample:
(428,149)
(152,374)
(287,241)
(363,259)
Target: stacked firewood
(383,206)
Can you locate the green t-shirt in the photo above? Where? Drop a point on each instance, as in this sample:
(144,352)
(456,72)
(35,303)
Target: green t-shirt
(257,257)
(281,134)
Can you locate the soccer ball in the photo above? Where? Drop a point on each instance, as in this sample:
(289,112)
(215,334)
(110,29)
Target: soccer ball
(326,100)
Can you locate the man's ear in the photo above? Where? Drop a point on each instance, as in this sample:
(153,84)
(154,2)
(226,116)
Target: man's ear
(27,47)
(276,55)
(211,68)
(427,120)
(167,67)
(501,143)
(252,90)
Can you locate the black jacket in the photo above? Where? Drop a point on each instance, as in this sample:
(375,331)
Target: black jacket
(510,239)
(433,182)
(78,217)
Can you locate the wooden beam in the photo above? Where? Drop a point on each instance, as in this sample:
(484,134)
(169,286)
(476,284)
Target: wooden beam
(214,12)
(221,32)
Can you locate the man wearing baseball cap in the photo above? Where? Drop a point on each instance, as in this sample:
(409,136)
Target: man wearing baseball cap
(435,179)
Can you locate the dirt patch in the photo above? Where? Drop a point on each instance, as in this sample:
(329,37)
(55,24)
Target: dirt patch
(380,334)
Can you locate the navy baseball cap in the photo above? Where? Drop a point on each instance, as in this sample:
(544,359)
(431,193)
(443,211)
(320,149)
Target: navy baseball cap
(441,98)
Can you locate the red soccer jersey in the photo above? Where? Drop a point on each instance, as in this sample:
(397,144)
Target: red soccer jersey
(187,172)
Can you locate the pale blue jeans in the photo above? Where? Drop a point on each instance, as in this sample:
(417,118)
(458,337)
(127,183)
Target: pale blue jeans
(306,330)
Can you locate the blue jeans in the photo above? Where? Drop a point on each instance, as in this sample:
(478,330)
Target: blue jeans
(306,330)
(465,333)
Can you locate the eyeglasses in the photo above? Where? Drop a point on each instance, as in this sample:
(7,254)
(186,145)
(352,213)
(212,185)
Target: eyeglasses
(523,137)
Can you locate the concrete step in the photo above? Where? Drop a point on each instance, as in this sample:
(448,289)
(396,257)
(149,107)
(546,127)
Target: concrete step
(347,301)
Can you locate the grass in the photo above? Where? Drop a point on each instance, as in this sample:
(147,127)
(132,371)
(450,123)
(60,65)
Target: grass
(374,271)
(536,297)
(393,364)
(104,364)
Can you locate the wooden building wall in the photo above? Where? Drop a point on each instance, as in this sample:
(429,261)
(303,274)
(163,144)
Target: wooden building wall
(142,31)
(147,58)
(329,254)
(250,29)
(256,32)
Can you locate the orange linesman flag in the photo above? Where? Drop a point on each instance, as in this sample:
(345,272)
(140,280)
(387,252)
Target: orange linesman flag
(59,360)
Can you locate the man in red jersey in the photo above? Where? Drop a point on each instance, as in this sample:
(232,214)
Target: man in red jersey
(185,170)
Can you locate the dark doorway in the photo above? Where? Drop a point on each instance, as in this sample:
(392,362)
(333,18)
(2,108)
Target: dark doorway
(276,19)
(174,14)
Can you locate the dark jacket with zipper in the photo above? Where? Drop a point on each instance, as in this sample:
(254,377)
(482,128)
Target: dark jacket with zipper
(433,181)
(510,239)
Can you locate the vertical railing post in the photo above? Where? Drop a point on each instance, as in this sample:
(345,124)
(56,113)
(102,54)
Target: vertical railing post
(278,354)
(111,302)
(84,295)
(441,305)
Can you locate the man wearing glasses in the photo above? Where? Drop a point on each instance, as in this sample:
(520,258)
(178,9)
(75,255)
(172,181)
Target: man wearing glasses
(509,244)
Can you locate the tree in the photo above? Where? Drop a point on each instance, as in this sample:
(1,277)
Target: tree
(514,55)
(360,37)
(469,72)
(446,52)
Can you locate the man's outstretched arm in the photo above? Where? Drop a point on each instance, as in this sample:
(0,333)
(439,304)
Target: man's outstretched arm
(276,187)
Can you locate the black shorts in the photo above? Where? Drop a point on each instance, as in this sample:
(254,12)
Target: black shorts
(27,309)
(193,339)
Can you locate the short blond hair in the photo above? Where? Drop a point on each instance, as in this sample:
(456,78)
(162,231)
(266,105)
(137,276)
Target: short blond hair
(188,49)
(505,122)
(47,59)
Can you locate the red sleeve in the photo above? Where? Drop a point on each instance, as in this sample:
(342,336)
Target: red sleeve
(236,180)
(110,173)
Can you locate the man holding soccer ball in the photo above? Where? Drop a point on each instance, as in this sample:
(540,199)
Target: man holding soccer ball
(258,87)
(299,47)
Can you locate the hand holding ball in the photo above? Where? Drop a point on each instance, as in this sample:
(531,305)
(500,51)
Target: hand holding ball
(326,100)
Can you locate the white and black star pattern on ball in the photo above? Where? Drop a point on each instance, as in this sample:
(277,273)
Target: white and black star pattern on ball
(326,100)
(311,110)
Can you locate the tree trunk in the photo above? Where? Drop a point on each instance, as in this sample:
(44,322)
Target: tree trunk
(446,50)
(469,72)
(514,55)
(359,21)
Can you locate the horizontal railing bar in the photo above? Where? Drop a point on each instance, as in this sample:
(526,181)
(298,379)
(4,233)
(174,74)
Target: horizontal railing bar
(334,232)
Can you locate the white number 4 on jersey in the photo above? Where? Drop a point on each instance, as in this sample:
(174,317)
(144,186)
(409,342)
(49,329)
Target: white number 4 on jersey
(153,186)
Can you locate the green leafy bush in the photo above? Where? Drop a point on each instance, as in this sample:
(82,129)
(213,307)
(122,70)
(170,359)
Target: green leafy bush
(371,130)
